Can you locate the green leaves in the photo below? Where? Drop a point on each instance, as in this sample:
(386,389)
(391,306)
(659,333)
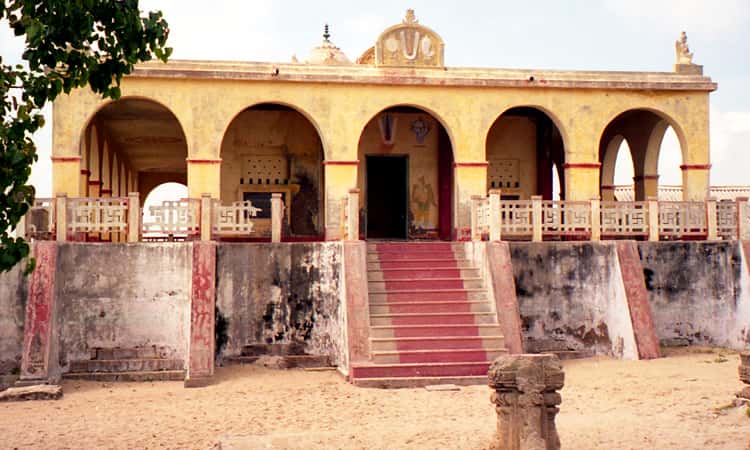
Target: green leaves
(69,44)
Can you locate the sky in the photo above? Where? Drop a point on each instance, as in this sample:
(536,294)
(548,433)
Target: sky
(635,35)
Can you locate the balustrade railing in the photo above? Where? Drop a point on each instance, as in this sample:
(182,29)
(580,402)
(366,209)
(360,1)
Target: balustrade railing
(173,219)
(97,215)
(235,219)
(39,222)
(538,219)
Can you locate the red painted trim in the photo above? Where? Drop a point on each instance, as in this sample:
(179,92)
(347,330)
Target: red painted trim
(85,172)
(95,183)
(203,161)
(106,191)
(65,158)
(608,187)
(341,163)
(584,165)
(471,164)
(695,167)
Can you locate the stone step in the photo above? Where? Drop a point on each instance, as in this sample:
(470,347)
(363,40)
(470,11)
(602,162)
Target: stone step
(413,246)
(416,382)
(430,307)
(161,375)
(436,343)
(127,365)
(425,331)
(448,255)
(383,296)
(426,283)
(285,361)
(416,273)
(436,356)
(420,264)
(433,319)
(147,352)
(450,369)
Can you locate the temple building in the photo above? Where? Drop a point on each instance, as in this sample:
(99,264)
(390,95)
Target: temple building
(417,138)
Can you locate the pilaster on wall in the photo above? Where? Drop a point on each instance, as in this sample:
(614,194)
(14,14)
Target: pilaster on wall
(646,341)
(504,288)
(202,343)
(470,179)
(340,177)
(38,355)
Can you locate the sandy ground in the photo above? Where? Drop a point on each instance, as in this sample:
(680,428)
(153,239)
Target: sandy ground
(678,402)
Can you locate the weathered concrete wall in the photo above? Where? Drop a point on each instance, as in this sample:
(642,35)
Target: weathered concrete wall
(122,295)
(571,297)
(696,292)
(13,294)
(281,294)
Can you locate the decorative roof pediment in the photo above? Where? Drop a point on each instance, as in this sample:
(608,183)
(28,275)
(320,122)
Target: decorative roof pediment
(409,44)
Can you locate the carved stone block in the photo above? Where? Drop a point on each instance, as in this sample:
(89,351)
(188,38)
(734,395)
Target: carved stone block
(526,400)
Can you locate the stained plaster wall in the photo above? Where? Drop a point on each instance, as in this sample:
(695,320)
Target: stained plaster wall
(514,139)
(286,134)
(699,292)
(122,295)
(13,294)
(282,294)
(422,166)
(571,297)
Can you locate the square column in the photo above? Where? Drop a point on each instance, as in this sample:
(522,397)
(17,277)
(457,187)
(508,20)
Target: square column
(470,180)
(581,180)
(66,175)
(204,177)
(340,177)
(695,181)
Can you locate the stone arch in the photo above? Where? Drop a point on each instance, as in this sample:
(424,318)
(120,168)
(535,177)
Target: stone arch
(522,144)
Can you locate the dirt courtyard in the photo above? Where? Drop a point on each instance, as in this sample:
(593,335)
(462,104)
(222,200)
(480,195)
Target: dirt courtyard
(678,402)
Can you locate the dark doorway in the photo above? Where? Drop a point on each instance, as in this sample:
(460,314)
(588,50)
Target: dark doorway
(387,196)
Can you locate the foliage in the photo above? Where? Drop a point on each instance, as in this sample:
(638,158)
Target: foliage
(68,44)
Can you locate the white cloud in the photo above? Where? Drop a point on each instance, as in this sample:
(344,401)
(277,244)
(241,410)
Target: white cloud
(730,147)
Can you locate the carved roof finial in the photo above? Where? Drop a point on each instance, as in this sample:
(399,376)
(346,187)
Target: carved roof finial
(410,18)
(326,34)
(682,51)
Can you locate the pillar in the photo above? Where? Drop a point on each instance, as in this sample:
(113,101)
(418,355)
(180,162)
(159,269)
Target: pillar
(202,343)
(470,180)
(340,177)
(581,180)
(204,177)
(66,175)
(695,182)
(526,400)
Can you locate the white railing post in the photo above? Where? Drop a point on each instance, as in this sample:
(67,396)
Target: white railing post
(596,226)
(206,216)
(276,216)
(353,214)
(743,224)
(476,234)
(495,231)
(134,217)
(712,232)
(61,216)
(536,218)
(653,219)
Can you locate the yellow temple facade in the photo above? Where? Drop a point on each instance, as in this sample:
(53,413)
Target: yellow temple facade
(417,139)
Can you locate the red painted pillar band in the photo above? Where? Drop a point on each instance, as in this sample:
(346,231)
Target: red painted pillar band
(200,366)
(640,309)
(40,308)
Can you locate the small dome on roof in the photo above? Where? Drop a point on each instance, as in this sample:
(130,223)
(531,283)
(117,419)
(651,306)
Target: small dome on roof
(326,53)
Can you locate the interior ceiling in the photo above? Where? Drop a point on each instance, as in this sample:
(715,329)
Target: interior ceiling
(147,134)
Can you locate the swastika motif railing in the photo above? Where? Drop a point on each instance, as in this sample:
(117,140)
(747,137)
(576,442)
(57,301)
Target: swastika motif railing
(483,216)
(515,218)
(40,220)
(624,219)
(562,218)
(682,219)
(726,219)
(97,215)
(173,218)
(234,219)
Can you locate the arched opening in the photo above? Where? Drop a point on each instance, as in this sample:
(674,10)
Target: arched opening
(556,184)
(406,176)
(639,134)
(132,144)
(155,198)
(522,146)
(271,148)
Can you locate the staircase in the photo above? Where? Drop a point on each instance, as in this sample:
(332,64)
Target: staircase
(431,318)
(127,364)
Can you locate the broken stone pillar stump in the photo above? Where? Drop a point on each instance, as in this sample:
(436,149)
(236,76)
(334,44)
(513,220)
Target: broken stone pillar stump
(744,371)
(525,401)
